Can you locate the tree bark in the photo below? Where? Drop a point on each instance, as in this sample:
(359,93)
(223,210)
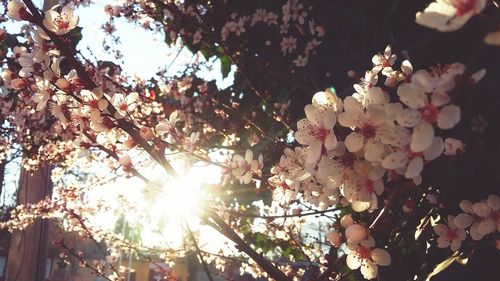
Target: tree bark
(28,248)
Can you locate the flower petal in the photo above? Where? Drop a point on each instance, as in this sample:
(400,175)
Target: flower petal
(354,142)
(422,137)
(381,257)
(448,117)
(414,167)
(435,150)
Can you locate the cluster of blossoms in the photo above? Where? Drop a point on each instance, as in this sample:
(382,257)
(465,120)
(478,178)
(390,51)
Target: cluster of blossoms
(385,138)
(80,115)
(479,219)
(360,247)
(293,14)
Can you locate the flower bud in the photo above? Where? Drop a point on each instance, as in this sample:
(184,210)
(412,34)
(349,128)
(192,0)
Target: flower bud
(64,84)
(334,237)
(356,233)
(146,133)
(129,143)
(346,221)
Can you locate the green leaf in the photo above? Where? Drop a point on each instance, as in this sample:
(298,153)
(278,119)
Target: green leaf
(75,35)
(225,65)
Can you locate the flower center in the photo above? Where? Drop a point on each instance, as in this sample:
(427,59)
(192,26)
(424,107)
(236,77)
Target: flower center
(321,133)
(363,253)
(452,234)
(463,6)
(61,22)
(367,185)
(123,107)
(429,113)
(368,131)
(347,160)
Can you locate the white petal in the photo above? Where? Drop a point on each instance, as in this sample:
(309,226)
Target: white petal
(481,209)
(463,220)
(412,95)
(352,105)
(369,270)
(448,117)
(435,150)
(328,119)
(353,262)
(422,137)
(374,151)
(474,232)
(360,206)
(493,38)
(330,141)
(248,156)
(455,245)
(493,201)
(354,142)
(312,115)
(466,206)
(408,117)
(348,119)
(440,98)
(487,226)
(440,229)
(313,154)
(395,160)
(381,257)
(414,168)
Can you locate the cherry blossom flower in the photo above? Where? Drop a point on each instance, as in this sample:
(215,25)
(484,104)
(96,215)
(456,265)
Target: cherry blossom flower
(16,10)
(367,257)
(450,235)
(124,105)
(383,62)
(60,23)
(482,217)
(424,110)
(396,76)
(244,167)
(453,147)
(334,237)
(316,130)
(449,15)
(288,44)
(167,126)
(300,61)
(369,128)
(409,163)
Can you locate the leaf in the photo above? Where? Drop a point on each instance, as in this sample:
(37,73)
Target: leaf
(443,265)
(225,65)
(75,35)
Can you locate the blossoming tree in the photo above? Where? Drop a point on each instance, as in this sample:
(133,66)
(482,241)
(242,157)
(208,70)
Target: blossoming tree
(376,116)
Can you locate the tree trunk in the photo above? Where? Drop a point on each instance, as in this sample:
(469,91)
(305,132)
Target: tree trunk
(27,260)
(28,248)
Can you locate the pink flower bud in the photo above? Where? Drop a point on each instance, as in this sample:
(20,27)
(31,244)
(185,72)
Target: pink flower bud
(453,147)
(356,233)
(334,237)
(146,133)
(129,143)
(346,221)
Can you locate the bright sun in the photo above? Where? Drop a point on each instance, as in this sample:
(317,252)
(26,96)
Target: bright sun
(162,208)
